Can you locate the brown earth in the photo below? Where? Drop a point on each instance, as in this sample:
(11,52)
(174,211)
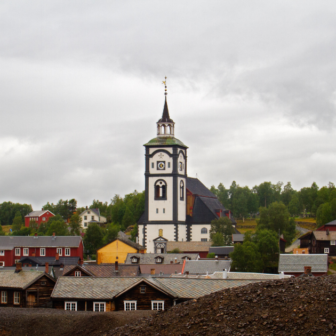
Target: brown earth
(52,322)
(296,306)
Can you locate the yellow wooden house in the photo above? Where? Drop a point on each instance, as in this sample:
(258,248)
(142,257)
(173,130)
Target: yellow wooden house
(118,250)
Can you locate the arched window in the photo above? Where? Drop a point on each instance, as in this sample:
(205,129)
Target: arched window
(160,190)
(181,191)
(204,230)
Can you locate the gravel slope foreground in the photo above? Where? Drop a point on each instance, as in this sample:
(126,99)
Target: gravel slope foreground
(52,322)
(300,306)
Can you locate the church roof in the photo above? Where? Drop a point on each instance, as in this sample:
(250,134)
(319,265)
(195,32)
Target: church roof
(165,141)
(196,187)
(165,113)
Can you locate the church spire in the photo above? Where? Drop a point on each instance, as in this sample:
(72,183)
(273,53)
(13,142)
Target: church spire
(165,126)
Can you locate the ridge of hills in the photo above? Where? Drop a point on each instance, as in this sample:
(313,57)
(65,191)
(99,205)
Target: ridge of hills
(294,306)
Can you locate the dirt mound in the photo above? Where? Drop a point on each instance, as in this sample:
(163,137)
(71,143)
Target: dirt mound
(53,322)
(300,306)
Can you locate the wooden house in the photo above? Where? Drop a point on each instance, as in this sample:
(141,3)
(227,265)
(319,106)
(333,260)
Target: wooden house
(319,242)
(39,217)
(25,289)
(118,250)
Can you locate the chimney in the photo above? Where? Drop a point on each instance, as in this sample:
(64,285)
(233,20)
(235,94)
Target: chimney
(152,271)
(42,209)
(327,232)
(116,266)
(216,257)
(171,261)
(35,235)
(307,270)
(187,273)
(18,267)
(225,273)
(80,262)
(86,207)
(47,268)
(175,260)
(57,256)
(33,254)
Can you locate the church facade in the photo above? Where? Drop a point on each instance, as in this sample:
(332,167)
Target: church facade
(177,207)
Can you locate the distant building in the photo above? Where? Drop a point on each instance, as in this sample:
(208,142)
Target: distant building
(91,216)
(38,216)
(319,242)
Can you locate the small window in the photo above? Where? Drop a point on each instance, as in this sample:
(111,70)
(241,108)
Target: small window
(2,252)
(99,306)
(181,191)
(92,217)
(152,164)
(204,239)
(130,305)
(159,260)
(16,298)
(43,218)
(67,252)
(326,250)
(78,273)
(85,217)
(59,251)
(168,164)
(2,263)
(164,210)
(17,252)
(134,260)
(26,251)
(89,212)
(3,297)
(142,289)
(42,252)
(70,306)
(160,192)
(204,230)
(157,305)
(43,283)
(332,242)
(85,224)
(157,210)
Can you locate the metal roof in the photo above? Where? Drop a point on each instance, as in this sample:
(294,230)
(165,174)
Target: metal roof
(165,141)
(9,242)
(38,213)
(149,258)
(221,249)
(196,187)
(50,260)
(295,263)
(206,266)
(164,268)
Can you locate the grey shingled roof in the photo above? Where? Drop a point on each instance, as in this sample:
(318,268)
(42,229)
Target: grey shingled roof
(123,237)
(331,223)
(149,258)
(238,237)
(191,246)
(9,242)
(221,249)
(38,213)
(21,280)
(196,187)
(322,235)
(206,266)
(295,263)
(50,260)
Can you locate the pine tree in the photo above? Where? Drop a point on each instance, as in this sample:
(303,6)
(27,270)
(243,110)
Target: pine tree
(17,221)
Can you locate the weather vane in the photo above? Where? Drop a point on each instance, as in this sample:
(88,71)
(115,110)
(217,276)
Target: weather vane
(165,84)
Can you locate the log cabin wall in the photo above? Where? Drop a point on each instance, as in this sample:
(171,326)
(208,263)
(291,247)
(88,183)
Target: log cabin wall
(83,304)
(144,301)
(42,290)
(10,297)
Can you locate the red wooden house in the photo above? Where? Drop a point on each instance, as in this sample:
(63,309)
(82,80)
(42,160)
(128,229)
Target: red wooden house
(38,216)
(331,226)
(13,248)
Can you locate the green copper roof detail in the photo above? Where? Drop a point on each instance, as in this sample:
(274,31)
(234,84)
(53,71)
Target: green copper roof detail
(165,141)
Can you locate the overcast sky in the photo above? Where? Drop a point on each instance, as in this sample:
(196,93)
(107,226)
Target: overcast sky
(251,88)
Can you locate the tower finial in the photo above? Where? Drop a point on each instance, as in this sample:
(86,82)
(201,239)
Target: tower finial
(165,84)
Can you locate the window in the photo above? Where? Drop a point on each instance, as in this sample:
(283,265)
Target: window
(59,251)
(42,252)
(3,297)
(43,218)
(70,306)
(142,289)
(204,230)
(2,263)
(332,242)
(204,239)
(78,273)
(181,191)
(157,305)
(25,251)
(180,166)
(92,217)
(43,283)
(157,210)
(99,306)
(152,164)
(16,297)
(160,232)
(89,212)
(326,250)
(168,164)
(67,252)
(164,210)
(2,252)
(85,217)
(134,260)
(160,190)
(85,224)
(158,260)
(130,305)
(17,252)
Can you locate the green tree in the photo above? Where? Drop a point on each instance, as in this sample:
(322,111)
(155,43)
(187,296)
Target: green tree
(17,221)
(2,233)
(134,233)
(93,239)
(287,194)
(268,246)
(75,225)
(33,225)
(128,219)
(324,214)
(111,233)
(23,232)
(59,227)
(211,255)
(294,205)
(221,227)
(246,258)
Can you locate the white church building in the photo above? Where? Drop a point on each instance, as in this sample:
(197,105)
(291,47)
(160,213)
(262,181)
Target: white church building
(177,207)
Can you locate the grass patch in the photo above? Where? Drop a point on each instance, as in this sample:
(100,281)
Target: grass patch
(5,228)
(307,220)
(245,230)
(332,266)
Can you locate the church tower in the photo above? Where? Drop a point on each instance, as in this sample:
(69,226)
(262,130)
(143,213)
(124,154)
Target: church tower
(164,218)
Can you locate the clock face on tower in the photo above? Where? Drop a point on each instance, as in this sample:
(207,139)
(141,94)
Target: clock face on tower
(161,165)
